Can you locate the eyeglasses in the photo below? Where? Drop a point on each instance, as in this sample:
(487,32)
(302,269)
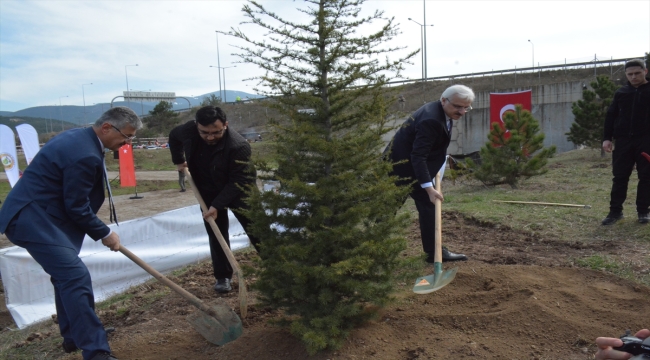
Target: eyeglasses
(460,107)
(128,138)
(208,134)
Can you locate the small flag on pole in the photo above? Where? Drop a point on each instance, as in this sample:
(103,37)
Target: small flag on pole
(127,170)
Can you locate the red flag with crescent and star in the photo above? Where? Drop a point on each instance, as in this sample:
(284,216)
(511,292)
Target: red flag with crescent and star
(127,170)
(501,103)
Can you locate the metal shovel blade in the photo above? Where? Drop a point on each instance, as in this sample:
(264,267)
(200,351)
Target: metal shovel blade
(220,329)
(439,279)
(217,323)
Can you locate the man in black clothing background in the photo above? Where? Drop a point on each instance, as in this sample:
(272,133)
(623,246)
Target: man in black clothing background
(220,163)
(628,124)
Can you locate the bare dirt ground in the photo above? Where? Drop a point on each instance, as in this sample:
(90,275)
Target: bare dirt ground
(518,297)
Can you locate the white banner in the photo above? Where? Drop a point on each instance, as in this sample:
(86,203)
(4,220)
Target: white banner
(28,140)
(8,156)
(166,241)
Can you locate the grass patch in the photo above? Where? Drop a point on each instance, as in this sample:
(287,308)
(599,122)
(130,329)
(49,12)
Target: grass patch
(143,159)
(143,186)
(613,266)
(115,301)
(262,151)
(575,177)
(599,262)
(152,297)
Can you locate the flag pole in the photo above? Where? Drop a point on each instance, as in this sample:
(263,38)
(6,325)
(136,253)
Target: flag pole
(136,194)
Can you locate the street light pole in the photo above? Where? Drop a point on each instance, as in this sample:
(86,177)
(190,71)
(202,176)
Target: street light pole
(533,53)
(219,65)
(61,111)
(83,93)
(423,47)
(424,27)
(219,68)
(224,81)
(127,83)
(49,113)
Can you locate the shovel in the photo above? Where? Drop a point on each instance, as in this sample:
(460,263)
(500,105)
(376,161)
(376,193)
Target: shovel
(243,305)
(440,278)
(217,323)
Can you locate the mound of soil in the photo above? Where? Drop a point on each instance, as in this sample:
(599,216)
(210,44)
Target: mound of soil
(518,297)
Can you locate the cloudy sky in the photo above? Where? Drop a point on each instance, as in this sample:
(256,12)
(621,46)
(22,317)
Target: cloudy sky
(50,49)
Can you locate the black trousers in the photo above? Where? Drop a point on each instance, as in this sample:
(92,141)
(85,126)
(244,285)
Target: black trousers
(427,219)
(627,153)
(426,216)
(220,265)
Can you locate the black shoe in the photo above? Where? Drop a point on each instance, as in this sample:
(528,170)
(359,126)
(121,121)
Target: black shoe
(612,218)
(446,256)
(69,347)
(644,218)
(223,286)
(104,356)
(450,256)
(182,190)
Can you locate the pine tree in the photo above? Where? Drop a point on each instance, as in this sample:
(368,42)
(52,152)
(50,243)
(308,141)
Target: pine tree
(505,159)
(160,119)
(212,100)
(330,238)
(590,112)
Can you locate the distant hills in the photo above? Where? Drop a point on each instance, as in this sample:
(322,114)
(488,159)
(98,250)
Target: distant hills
(78,116)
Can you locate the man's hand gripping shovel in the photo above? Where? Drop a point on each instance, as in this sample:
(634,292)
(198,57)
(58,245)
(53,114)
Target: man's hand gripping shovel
(440,278)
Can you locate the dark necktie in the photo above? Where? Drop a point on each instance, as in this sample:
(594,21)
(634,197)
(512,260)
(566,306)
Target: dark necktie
(450,125)
(111,205)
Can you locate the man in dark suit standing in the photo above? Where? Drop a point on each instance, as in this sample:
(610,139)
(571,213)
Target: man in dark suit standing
(220,163)
(421,144)
(51,209)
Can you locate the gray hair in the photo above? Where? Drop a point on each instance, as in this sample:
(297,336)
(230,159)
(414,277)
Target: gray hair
(119,117)
(460,91)
(635,62)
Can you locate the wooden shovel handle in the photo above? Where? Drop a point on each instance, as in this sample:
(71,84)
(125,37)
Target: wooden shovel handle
(438,254)
(172,285)
(213,225)
(542,203)
(243,305)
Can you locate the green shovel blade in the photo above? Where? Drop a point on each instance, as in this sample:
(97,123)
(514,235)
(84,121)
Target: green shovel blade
(219,330)
(439,279)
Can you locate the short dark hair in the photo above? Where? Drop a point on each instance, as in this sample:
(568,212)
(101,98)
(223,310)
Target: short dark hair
(635,62)
(209,114)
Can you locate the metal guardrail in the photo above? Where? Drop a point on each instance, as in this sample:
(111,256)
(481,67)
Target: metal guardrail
(564,66)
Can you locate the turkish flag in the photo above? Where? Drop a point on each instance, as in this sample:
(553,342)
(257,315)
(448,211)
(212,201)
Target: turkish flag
(500,103)
(127,170)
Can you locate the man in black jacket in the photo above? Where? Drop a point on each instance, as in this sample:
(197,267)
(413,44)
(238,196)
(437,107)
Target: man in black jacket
(628,124)
(422,141)
(219,161)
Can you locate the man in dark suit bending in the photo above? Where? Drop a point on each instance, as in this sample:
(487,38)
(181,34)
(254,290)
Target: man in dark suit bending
(422,142)
(51,209)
